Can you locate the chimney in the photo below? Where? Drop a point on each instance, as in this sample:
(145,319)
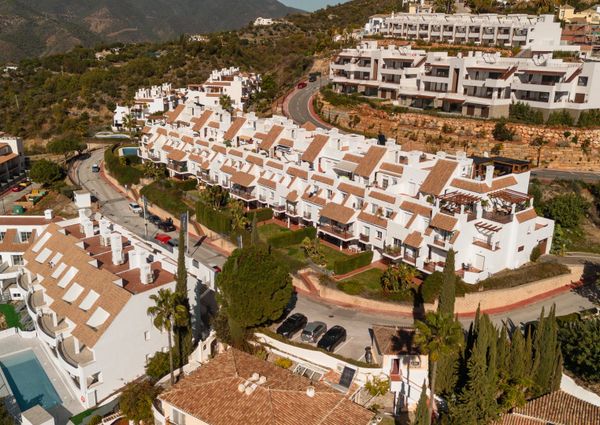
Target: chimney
(117,248)
(146,275)
(413,158)
(88,228)
(104,232)
(310,391)
(134,258)
(48,214)
(489,174)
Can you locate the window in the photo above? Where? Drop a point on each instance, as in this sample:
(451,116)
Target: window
(195,263)
(147,335)
(388,213)
(366,231)
(385,183)
(17,260)
(25,236)
(178,417)
(379,234)
(582,81)
(521,248)
(2,234)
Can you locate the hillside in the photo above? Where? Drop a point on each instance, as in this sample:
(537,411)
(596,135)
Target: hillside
(41,27)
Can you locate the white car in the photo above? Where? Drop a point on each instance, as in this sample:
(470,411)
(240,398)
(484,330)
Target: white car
(135,208)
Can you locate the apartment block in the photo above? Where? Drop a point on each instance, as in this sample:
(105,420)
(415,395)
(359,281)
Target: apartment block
(158,104)
(361,194)
(12,159)
(87,283)
(474,84)
(518,30)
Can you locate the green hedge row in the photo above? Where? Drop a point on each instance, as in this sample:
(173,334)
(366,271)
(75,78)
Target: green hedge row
(125,174)
(217,221)
(165,196)
(352,263)
(262,214)
(284,239)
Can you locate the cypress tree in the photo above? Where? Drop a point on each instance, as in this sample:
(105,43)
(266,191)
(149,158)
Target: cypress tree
(520,358)
(448,292)
(547,362)
(422,412)
(503,355)
(183,342)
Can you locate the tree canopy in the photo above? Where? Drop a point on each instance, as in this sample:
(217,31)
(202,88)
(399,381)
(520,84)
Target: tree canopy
(136,401)
(45,172)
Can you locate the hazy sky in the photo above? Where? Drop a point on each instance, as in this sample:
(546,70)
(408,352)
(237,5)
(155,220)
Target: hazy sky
(310,5)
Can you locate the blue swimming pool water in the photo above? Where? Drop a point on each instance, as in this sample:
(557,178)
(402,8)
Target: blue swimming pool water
(28,381)
(129,151)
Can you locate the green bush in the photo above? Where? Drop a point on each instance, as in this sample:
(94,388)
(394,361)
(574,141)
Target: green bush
(166,195)
(523,275)
(431,287)
(352,263)
(158,365)
(522,112)
(560,118)
(125,174)
(262,214)
(284,239)
(535,254)
(283,362)
(217,221)
(187,185)
(589,118)
(502,133)
(95,420)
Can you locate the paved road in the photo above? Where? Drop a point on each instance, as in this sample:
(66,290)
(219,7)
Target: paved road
(298,103)
(548,174)
(115,206)
(8,198)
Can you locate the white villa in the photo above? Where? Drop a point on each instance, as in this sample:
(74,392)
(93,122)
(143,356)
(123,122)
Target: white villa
(362,194)
(473,84)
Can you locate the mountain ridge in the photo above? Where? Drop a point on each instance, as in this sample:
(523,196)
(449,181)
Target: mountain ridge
(40,27)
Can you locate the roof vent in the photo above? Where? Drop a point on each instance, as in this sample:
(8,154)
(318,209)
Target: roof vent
(310,391)
(48,214)
(146,275)
(116,244)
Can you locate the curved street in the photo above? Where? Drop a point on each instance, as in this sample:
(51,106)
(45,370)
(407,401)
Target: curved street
(298,103)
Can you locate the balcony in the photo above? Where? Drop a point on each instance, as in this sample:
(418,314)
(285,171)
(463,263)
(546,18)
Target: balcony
(207,179)
(497,217)
(338,232)
(409,258)
(307,216)
(278,208)
(48,331)
(153,157)
(364,238)
(70,359)
(23,282)
(432,266)
(292,212)
(34,301)
(178,167)
(486,244)
(245,195)
(442,243)
(392,252)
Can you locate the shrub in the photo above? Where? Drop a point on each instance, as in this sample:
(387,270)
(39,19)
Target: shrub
(535,254)
(187,185)
(283,362)
(262,214)
(125,174)
(352,263)
(95,420)
(589,118)
(284,239)
(522,112)
(561,117)
(523,275)
(158,365)
(166,195)
(217,221)
(566,209)
(502,132)
(431,287)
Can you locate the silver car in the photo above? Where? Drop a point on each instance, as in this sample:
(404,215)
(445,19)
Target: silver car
(313,331)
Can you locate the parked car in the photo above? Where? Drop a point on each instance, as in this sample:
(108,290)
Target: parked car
(292,324)
(302,84)
(154,219)
(162,238)
(135,208)
(17,188)
(313,331)
(332,338)
(166,225)
(95,168)
(25,183)
(174,242)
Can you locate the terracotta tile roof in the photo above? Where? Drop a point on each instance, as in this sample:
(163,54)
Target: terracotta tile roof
(352,158)
(254,159)
(196,158)
(454,237)
(286,142)
(373,219)
(174,134)
(162,131)
(337,212)
(228,169)
(323,179)
(389,168)
(267,183)
(167,148)
(173,115)
(187,139)
(309,126)
(292,196)
(394,340)
(214,124)
(176,155)
(314,199)
(236,152)
(210,394)
(219,148)
(382,197)
(297,172)
(350,188)
(510,419)
(481,187)
(414,239)
(526,215)
(146,130)
(438,177)
(112,298)
(314,148)
(271,137)
(24,220)
(200,122)
(444,222)
(561,408)
(243,179)
(370,161)
(12,243)
(202,143)
(416,208)
(275,164)
(260,135)
(235,127)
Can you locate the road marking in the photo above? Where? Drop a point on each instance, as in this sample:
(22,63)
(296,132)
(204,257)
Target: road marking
(343,345)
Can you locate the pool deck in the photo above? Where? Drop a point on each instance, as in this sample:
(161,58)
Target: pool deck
(70,405)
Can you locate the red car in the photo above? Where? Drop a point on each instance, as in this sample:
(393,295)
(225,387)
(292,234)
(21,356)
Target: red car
(17,188)
(162,238)
(302,84)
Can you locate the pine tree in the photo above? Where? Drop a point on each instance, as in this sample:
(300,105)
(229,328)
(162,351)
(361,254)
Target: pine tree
(422,412)
(448,292)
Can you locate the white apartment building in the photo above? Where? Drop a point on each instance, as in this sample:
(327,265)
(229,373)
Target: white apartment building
(476,84)
(361,193)
(159,103)
(87,284)
(12,159)
(537,32)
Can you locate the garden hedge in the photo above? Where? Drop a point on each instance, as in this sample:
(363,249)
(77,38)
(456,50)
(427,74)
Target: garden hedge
(262,214)
(292,238)
(352,263)
(165,195)
(125,174)
(217,221)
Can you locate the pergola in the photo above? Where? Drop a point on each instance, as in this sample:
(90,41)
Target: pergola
(454,200)
(488,227)
(505,198)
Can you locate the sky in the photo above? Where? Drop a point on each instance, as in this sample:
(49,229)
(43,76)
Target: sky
(310,5)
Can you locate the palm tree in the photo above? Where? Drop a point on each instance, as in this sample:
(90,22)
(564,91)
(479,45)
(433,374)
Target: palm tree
(439,334)
(167,312)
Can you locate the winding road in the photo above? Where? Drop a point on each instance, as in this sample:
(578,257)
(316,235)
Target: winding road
(298,104)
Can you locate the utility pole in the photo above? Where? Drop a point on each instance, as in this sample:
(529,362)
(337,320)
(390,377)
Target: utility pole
(145,206)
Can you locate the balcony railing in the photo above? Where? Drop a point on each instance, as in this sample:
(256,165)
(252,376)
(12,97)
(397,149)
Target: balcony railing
(364,238)
(392,251)
(492,246)
(180,168)
(307,216)
(409,258)
(337,231)
(497,217)
(244,194)
(292,212)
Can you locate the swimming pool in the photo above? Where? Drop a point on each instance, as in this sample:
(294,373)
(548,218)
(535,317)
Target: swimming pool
(29,383)
(129,151)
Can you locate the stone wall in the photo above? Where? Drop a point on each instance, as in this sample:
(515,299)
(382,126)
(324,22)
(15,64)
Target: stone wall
(431,133)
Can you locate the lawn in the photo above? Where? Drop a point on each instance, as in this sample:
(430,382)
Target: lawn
(270,229)
(332,255)
(366,284)
(11,316)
